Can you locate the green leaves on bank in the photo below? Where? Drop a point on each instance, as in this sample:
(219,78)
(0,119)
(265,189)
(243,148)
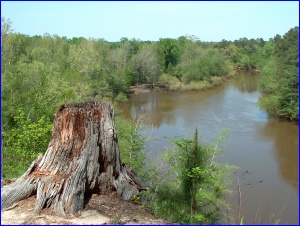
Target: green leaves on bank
(24,143)
(193,192)
(279,78)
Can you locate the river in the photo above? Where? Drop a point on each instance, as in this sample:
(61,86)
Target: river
(264,149)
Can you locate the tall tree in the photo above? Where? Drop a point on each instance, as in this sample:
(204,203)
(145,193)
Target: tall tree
(279,79)
(169,52)
(84,58)
(145,65)
(197,63)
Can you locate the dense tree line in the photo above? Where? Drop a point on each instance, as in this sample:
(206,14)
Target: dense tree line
(39,73)
(280,76)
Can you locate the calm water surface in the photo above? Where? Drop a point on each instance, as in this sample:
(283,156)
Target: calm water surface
(265,148)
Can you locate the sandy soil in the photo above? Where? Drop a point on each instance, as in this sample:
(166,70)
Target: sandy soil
(99,209)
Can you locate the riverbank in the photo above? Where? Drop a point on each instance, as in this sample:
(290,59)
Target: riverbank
(247,69)
(171,83)
(199,85)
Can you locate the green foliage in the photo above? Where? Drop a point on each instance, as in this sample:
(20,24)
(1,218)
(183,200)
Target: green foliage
(131,144)
(194,192)
(135,199)
(85,58)
(24,143)
(116,84)
(121,98)
(266,54)
(279,78)
(169,52)
(215,80)
(242,221)
(115,220)
(200,64)
(244,61)
(277,221)
(170,69)
(243,52)
(129,78)
(267,79)
(168,81)
(145,65)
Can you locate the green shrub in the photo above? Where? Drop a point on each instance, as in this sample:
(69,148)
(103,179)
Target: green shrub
(168,80)
(131,144)
(215,80)
(121,98)
(24,143)
(194,190)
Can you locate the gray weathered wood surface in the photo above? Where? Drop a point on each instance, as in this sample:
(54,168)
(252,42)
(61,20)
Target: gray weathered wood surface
(82,157)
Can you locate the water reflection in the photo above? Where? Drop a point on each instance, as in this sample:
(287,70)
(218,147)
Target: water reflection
(154,104)
(285,138)
(166,107)
(247,82)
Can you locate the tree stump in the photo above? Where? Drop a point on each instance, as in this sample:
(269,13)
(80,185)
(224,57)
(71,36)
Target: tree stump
(82,158)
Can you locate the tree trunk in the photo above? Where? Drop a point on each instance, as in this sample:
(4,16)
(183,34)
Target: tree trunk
(82,158)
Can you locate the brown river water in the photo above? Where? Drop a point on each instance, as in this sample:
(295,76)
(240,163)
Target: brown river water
(264,149)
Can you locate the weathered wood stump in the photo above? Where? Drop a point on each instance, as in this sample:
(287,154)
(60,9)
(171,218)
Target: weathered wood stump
(82,158)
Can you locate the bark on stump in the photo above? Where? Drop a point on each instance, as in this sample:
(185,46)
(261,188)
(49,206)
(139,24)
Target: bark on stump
(82,158)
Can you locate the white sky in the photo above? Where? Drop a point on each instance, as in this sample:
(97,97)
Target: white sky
(209,21)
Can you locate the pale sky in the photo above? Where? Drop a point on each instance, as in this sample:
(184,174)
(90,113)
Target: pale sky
(209,21)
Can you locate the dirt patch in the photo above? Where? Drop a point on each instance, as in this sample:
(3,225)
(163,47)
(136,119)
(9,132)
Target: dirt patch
(99,209)
(140,89)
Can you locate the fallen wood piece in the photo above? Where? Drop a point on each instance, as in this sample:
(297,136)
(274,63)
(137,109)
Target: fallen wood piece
(11,207)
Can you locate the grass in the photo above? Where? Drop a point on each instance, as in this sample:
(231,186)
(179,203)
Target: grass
(116,220)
